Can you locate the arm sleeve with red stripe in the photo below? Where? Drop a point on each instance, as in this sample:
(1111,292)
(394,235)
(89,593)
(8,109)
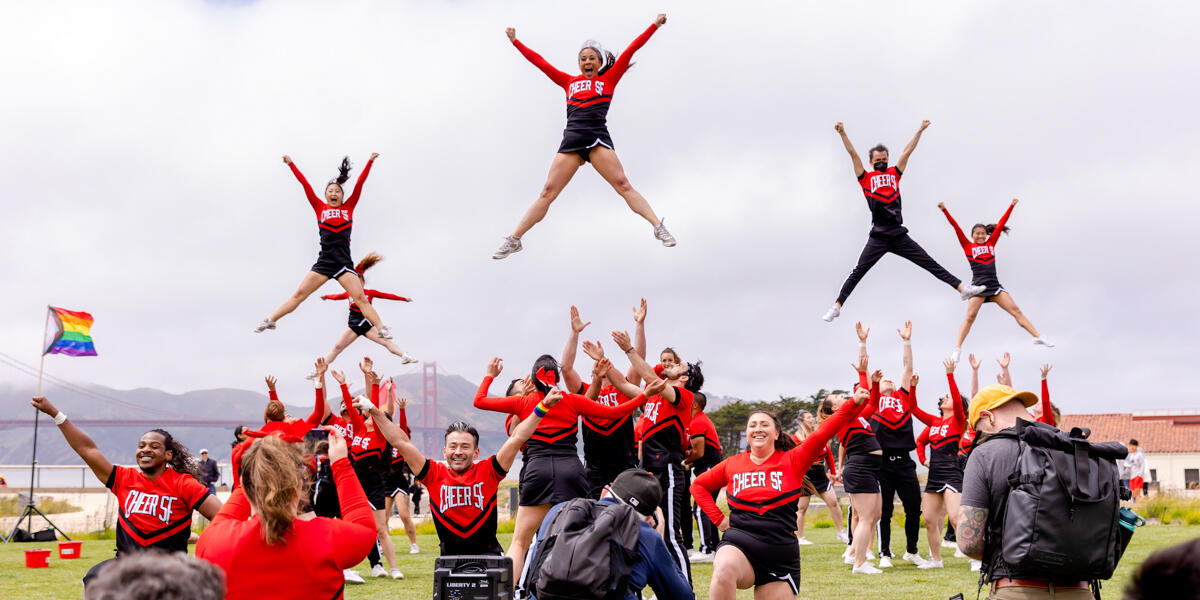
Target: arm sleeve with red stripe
(313,200)
(922,441)
(702,488)
(341,296)
(1047,412)
(1000,225)
(959,424)
(962,238)
(358,186)
(618,69)
(829,461)
(353,534)
(803,456)
(385,295)
(923,416)
(558,77)
(588,408)
(870,406)
(511,404)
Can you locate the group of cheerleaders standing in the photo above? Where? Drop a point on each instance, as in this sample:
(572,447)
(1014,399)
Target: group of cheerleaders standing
(766,484)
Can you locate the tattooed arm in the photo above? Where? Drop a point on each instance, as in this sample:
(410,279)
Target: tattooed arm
(972,522)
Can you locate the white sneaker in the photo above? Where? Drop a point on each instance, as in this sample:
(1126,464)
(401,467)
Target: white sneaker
(511,245)
(385,332)
(264,325)
(832,314)
(661,234)
(957,354)
(378,571)
(702,558)
(915,559)
(1041,341)
(414,549)
(958,553)
(352,576)
(975,564)
(311,376)
(804,542)
(971,290)
(949,544)
(396,574)
(930,564)
(885,562)
(407,359)
(843,536)
(870,555)
(847,557)
(866,569)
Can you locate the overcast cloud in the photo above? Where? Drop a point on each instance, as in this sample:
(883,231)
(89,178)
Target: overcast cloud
(143,183)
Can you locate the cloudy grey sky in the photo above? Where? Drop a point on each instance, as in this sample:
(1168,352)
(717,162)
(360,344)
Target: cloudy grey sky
(142,145)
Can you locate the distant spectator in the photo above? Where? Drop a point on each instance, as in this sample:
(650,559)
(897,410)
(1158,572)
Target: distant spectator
(1170,573)
(209,471)
(156,575)
(1136,463)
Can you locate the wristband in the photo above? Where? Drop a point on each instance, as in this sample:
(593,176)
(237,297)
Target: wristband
(60,418)
(629,350)
(907,342)
(862,344)
(318,384)
(540,410)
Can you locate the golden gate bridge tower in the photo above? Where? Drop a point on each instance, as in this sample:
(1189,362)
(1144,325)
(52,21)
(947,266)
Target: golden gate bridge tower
(431,442)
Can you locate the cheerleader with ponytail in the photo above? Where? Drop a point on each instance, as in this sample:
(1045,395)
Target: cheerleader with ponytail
(358,324)
(586,137)
(335,216)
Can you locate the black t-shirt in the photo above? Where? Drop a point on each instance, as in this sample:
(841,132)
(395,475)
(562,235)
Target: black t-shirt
(985,485)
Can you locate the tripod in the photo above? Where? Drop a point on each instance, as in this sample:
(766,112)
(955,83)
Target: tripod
(30,507)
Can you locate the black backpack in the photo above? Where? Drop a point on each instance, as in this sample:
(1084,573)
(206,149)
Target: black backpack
(1060,519)
(587,553)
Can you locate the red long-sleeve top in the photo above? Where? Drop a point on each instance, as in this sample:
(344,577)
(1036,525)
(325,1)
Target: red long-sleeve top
(306,563)
(370,294)
(365,444)
(1047,412)
(557,432)
(856,435)
(333,223)
(763,496)
(981,257)
(826,456)
(402,421)
(588,98)
(944,433)
(291,432)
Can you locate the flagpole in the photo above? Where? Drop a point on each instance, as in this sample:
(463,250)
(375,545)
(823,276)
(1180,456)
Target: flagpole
(36,415)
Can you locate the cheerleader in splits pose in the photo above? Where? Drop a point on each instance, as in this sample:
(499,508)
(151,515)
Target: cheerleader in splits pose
(358,325)
(586,137)
(881,186)
(335,216)
(981,253)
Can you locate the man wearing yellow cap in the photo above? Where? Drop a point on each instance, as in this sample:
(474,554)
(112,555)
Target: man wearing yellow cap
(985,488)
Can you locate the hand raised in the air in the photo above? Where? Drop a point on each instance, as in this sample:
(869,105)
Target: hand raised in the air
(862,332)
(270,379)
(661,19)
(339,377)
(42,404)
(924,124)
(639,312)
(877,376)
(1046,369)
(838,127)
(593,349)
(494,367)
(287,160)
(511,33)
(577,324)
(374,155)
(552,398)
(950,365)
(337,445)
(975,363)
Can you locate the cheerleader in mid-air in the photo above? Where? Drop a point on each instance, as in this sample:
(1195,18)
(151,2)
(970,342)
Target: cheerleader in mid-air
(335,216)
(981,253)
(358,325)
(586,137)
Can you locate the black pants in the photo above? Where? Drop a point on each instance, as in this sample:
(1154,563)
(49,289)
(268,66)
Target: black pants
(899,476)
(675,508)
(688,523)
(709,534)
(901,245)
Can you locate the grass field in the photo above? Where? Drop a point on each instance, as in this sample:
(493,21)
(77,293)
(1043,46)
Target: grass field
(824,576)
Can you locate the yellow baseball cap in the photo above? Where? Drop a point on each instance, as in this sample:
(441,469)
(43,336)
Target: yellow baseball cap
(993,396)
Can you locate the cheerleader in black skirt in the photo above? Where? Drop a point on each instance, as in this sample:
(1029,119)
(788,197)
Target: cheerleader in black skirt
(586,137)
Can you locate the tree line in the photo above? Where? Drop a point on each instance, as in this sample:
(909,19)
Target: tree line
(730,419)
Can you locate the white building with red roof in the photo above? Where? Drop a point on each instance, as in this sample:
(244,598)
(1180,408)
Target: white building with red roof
(1170,439)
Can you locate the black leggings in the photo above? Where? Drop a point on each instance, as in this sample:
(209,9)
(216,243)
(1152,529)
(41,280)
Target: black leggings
(901,245)
(899,476)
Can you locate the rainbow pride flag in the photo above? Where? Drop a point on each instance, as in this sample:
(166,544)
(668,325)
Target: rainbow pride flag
(71,335)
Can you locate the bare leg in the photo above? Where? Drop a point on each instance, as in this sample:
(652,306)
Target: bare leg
(934,510)
(353,286)
(973,304)
(308,285)
(406,517)
(835,509)
(385,538)
(609,167)
(529,518)
(373,335)
(776,590)
(801,513)
(867,507)
(348,336)
(731,572)
(1005,301)
(562,169)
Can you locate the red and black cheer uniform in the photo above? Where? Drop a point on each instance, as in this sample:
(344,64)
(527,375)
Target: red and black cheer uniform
(152,513)
(464,506)
(551,472)
(817,474)
(888,234)
(398,479)
(763,500)
(367,449)
(588,98)
(334,226)
(608,446)
(860,472)
(982,257)
(942,435)
(357,323)
(892,424)
(307,563)
(664,440)
(702,427)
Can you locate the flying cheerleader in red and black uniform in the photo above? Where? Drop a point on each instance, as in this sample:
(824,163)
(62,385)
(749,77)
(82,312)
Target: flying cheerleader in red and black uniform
(551,472)
(981,253)
(335,216)
(357,324)
(586,137)
(763,486)
(881,187)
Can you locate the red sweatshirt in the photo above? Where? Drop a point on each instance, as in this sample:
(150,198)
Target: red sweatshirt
(1047,412)
(307,563)
(371,296)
